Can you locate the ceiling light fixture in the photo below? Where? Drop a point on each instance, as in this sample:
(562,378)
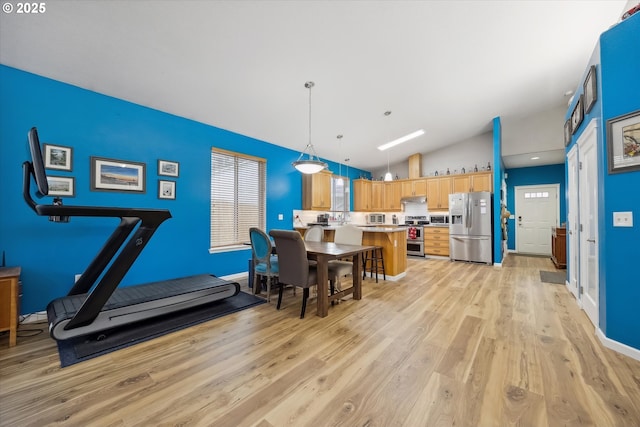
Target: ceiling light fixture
(313,164)
(535,158)
(401,140)
(340,151)
(388,176)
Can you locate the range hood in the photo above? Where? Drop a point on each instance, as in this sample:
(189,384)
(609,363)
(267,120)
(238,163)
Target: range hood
(414,199)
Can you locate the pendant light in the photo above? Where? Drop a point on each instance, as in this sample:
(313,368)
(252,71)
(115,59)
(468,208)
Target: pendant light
(313,164)
(388,176)
(340,153)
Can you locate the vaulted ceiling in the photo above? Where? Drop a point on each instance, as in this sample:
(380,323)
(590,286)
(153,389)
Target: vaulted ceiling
(448,67)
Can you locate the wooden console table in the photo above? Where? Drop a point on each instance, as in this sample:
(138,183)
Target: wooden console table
(9,294)
(559,246)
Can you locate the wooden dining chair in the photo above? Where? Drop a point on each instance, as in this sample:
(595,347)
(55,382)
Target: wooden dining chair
(295,268)
(265,264)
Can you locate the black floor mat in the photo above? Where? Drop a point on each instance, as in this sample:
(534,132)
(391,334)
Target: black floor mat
(87,347)
(557,277)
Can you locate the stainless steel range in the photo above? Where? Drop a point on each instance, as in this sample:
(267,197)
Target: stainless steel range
(415,235)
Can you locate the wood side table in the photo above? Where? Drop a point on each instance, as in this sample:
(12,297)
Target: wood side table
(9,291)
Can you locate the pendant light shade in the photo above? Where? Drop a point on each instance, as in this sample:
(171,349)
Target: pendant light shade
(312,164)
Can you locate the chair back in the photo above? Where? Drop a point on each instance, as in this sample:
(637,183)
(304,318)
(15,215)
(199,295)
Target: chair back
(260,246)
(292,256)
(348,235)
(315,233)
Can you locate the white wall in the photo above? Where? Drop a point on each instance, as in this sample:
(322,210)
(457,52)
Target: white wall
(544,130)
(468,153)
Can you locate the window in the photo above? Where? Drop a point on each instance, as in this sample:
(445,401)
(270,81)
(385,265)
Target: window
(340,194)
(238,197)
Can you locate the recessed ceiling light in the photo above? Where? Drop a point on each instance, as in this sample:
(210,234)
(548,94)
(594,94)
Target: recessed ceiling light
(535,158)
(401,140)
(568,93)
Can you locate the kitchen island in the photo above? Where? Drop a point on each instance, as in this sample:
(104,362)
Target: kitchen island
(392,240)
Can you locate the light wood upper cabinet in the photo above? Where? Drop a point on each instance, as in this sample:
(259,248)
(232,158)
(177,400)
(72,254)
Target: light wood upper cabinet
(392,192)
(316,191)
(377,195)
(361,195)
(438,190)
(467,183)
(413,187)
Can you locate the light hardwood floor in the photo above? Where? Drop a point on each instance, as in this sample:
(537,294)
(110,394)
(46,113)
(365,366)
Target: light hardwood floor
(452,344)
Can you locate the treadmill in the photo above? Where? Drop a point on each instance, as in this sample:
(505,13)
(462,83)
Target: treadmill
(95,303)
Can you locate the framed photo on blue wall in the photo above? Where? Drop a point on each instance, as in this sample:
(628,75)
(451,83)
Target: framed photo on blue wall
(590,87)
(117,175)
(577,115)
(567,132)
(623,143)
(168,168)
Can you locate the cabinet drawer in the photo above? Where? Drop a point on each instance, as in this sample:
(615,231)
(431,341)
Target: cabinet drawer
(437,238)
(437,251)
(435,231)
(436,244)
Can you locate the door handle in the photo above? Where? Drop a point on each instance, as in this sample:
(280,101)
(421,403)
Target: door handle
(591,240)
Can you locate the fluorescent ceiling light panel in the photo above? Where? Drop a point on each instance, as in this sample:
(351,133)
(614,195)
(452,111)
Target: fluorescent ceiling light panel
(401,140)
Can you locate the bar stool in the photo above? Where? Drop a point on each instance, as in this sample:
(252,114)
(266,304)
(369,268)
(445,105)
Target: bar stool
(375,258)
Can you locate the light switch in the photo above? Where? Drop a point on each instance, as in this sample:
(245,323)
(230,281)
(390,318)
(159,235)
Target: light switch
(280,217)
(623,219)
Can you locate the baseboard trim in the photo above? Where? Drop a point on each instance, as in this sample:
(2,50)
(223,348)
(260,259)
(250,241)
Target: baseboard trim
(235,276)
(614,345)
(389,278)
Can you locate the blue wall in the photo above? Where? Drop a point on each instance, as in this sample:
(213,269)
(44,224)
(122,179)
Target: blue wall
(50,254)
(618,66)
(539,175)
(498,175)
(619,284)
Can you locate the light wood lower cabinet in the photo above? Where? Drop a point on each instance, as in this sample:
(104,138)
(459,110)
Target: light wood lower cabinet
(9,299)
(436,241)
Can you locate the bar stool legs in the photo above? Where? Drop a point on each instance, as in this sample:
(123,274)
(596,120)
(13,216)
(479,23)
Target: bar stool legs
(375,260)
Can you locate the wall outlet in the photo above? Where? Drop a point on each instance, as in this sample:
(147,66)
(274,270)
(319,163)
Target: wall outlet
(280,217)
(76,278)
(623,219)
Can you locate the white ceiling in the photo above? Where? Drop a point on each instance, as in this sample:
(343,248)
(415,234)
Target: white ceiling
(448,67)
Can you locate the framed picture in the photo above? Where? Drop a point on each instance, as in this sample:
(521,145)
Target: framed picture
(168,168)
(57,157)
(590,89)
(64,186)
(117,175)
(623,143)
(577,115)
(567,132)
(166,189)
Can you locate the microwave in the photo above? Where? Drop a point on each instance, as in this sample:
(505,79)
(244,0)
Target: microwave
(439,219)
(376,218)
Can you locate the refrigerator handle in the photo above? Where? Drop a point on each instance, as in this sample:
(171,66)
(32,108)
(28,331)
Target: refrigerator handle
(467,213)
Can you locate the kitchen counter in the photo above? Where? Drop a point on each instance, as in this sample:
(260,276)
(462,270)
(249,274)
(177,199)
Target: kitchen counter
(392,240)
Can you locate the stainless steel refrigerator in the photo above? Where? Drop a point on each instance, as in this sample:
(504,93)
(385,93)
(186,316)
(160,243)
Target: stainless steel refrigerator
(471,227)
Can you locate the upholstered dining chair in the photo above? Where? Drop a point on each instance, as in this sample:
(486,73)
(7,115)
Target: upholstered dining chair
(265,265)
(295,269)
(315,233)
(346,235)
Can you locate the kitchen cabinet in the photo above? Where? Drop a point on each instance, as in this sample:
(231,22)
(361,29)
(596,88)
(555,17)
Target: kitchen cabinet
(316,191)
(438,190)
(466,183)
(361,195)
(415,166)
(392,192)
(436,241)
(559,246)
(413,187)
(377,195)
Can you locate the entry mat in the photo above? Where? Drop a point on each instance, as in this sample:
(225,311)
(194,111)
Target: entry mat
(87,347)
(557,277)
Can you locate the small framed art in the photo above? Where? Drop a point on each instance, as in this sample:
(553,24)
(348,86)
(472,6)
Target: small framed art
(167,168)
(623,143)
(117,175)
(62,186)
(577,115)
(58,157)
(166,189)
(590,89)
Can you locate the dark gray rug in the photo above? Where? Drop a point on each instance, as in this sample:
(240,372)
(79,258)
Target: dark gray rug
(87,347)
(557,277)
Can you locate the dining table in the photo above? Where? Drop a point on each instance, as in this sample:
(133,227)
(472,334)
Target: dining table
(322,253)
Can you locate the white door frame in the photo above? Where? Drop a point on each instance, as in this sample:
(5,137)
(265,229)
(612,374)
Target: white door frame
(588,217)
(525,187)
(573,223)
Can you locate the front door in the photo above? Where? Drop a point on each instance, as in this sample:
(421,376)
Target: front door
(588,217)
(537,211)
(573,226)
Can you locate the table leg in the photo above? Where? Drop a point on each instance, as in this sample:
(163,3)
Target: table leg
(357,276)
(323,286)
